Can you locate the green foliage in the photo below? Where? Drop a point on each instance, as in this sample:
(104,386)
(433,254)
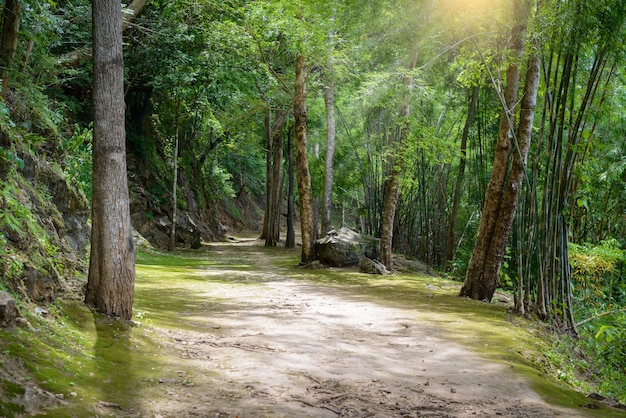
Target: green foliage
(604,340)
(78,163)
(13,213)
(600,291)
(10,264)
(597,274)
(11,158)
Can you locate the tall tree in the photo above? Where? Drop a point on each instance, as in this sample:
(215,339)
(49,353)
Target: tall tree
(392,183)
(274,180)
(290,240)
(471,114)
(302,162)
(110,286)
(327,203)
(329,101)
(496,223)
(8,40)
(581,58)
(171,246)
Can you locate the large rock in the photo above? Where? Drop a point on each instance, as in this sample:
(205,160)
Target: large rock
(369,266)
(345,247)
(8,310)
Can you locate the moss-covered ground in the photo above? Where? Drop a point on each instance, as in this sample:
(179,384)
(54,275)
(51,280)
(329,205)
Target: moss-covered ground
(88,365)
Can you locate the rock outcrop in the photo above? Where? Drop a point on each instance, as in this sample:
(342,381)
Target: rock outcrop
(39,285)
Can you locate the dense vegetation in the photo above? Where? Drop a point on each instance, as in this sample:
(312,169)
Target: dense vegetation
(414,90)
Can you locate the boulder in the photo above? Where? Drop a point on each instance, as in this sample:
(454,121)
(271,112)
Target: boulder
(369,266)
(345,247)
(8,310)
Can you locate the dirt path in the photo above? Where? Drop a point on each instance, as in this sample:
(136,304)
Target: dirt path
(263,344)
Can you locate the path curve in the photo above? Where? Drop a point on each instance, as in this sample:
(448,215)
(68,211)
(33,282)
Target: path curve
(280,347)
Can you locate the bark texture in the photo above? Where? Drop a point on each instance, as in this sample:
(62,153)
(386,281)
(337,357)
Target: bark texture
(327,204)
(110,286)
(274,180)
(290,241)
(496,223)
(302,163)
(172,243)
(8,40)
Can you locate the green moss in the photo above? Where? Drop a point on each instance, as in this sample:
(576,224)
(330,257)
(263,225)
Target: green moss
(8,409)
(95,358)
(488,329)
(12,389)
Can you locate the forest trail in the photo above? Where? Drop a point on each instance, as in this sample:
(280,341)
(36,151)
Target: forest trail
(248,334)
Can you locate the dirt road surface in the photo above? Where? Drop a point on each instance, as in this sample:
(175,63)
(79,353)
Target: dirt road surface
(258,343)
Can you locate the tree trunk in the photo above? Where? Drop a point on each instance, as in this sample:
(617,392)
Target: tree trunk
(110,285)
(327,204)
(268,175)
(8,40)
(28,51)
(172,244)
(481,279)
(291,233)
(392,192)
(393,182)
(276,181)
(302,162)
(471,113)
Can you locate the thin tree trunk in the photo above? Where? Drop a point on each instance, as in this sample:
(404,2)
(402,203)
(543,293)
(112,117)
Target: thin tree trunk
(392,188)
(8,40)
(327,204)
(29,49)
(268,175)
(290,241)
(172,243)
(276,189)
(471,114)
(302,162)
(110,285)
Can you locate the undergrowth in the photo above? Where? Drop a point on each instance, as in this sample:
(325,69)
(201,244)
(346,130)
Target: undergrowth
(596,360)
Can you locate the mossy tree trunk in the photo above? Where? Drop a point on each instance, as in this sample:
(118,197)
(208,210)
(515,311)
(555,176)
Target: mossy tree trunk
(302,162)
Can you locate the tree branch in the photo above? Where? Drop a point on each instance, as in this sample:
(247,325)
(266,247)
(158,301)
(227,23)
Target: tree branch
(599,316)
(74,58)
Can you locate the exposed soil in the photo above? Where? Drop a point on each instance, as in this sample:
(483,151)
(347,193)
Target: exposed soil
(288,348)
(248,339)
(298,350)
